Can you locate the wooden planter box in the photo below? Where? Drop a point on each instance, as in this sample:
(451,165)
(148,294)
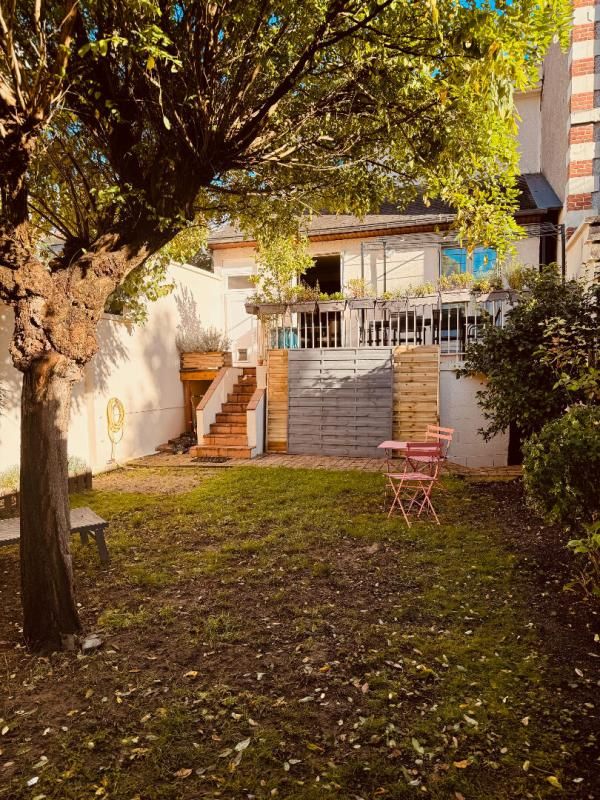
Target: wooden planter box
(392,305)
(362,303)
(251,308)
(304,307)
(331,305)
(269,309)
(10,504)
(204,361)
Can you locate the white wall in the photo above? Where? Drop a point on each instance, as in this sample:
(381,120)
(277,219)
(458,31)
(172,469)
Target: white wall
(529,126)
(139,365)
(459,410)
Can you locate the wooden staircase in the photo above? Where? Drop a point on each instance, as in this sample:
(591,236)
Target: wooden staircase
(228,435)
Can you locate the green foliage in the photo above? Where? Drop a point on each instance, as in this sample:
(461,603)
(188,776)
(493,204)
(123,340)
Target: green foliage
(281,261)
(197,339)
(456,280)
(143,285)
(588,546)
(487,283)
(562,465)
(338,296)
(571,349)
(301,293)
(522,381)
(315,106)
(358,288)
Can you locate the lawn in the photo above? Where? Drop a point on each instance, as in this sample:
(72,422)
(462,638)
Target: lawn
(268,633)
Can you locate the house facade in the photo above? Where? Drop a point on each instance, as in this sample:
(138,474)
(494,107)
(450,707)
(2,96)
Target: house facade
(338,380)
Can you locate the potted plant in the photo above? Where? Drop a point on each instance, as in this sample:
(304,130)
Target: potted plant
(303,298)
(331,302)
(360,294)
(202,348)
(280,261)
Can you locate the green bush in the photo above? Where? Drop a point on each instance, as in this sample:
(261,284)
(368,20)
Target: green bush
(562,468)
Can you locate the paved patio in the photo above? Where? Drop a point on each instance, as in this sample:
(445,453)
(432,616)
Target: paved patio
(317,462)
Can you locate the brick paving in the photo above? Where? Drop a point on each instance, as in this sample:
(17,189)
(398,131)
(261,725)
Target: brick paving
(316,462)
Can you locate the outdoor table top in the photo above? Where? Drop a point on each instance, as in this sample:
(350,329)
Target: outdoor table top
(80,518)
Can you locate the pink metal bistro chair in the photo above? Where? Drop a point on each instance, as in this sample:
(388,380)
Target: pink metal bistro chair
(412,488)
(442,435)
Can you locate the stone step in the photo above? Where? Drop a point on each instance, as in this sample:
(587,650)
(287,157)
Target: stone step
(220,451)
(228,427)
(220,439)
(231,418)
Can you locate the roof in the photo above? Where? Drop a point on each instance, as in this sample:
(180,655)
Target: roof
(536,195)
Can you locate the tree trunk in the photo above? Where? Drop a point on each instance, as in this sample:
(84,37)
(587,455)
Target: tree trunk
(49,610)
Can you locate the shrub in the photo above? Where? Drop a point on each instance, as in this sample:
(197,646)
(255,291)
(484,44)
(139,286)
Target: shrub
(202,340)
(562,465)
(524,361)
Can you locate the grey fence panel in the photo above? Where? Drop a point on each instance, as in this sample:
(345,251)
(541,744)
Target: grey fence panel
(340,400)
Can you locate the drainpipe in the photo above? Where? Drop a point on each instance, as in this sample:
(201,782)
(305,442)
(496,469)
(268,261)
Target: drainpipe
(384,267)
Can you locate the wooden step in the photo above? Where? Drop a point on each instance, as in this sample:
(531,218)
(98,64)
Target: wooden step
(231,427)
(220,451)
(234,397)
(249,371)
(233,408)
(243,388)
(219,439)
(231,418)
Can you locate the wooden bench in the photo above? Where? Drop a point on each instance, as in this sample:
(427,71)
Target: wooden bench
(83,520)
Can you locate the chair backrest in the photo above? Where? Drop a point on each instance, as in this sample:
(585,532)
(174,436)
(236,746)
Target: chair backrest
(438,434)
(431,454)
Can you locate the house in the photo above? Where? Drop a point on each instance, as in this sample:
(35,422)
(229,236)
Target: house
(338,379)
(304,383)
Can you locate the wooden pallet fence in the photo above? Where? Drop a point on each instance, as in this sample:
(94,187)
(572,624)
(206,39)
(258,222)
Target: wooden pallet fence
(416,391)
(277,401)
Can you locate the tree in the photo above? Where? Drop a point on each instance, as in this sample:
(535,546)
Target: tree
(544,358)
(121,121)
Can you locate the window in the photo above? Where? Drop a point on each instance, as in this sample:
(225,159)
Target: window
(239,282)
(479,262)
(243,354)
(326,272)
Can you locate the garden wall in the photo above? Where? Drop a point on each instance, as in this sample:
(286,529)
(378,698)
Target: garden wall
(459,410)
(139,365)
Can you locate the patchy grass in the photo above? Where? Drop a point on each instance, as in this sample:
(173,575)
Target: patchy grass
(271,634)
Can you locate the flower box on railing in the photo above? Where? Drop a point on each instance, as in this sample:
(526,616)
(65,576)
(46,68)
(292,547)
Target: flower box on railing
(271,309)
(303,307)
(331,305)
(205,361)
(251,308)
(391,305)
(10,504)
(365,303)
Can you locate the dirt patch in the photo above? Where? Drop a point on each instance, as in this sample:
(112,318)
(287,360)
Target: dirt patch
(147,480)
